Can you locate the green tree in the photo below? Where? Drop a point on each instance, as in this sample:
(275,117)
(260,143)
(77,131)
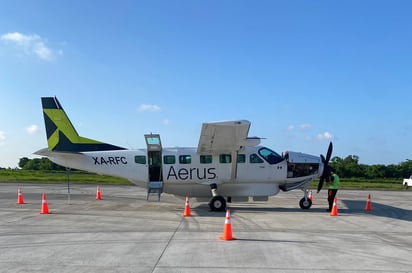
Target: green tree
(406,168)
(43,164)
(376,171)
(393,171)
(23,161)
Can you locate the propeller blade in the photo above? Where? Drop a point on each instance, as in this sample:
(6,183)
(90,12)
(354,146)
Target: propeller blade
(320,185)
(327,174)
(326,169)
(329,153)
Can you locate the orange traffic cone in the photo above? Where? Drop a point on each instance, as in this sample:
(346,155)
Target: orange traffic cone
(368,203)
(44,206)
(334,211)
(186,213)
(311,197)
(20,199)
(227,230)
(98,194)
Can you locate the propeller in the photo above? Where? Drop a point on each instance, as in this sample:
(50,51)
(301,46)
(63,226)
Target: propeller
(326,168)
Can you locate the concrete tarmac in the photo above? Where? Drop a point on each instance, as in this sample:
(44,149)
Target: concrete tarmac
(125,233)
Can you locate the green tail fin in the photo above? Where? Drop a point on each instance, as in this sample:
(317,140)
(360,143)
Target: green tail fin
(61,134)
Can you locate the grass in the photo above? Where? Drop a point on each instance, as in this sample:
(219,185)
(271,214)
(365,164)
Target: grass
(80,177)
(363,184)
(76,177)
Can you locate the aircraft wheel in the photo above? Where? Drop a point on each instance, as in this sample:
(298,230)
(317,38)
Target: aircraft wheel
(305,203)
(217,203)
(405,186)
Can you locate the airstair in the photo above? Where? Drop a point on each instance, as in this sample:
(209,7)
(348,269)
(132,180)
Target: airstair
(154,187)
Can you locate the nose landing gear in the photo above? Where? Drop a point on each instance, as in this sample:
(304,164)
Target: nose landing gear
(305,202)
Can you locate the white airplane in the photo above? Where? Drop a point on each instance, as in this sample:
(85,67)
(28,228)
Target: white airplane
(226,166)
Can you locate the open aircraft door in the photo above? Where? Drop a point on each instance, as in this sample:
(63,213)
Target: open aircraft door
(154,156)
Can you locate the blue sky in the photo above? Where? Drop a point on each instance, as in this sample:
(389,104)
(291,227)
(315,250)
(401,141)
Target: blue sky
(303,72)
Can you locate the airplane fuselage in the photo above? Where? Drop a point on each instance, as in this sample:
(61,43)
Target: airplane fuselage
(184,172)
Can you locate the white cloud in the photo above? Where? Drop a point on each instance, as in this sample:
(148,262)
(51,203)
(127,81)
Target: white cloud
(308,138)
(305,126)
(149,108)
(2,137)
(32,44)
(325,135)
(32,129)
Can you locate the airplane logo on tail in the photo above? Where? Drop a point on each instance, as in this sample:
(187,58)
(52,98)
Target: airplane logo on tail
(61,134)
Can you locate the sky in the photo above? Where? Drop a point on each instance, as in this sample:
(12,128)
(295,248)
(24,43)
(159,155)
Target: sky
(304,73)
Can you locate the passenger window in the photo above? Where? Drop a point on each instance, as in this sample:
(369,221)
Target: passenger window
(241,158)
(205,159)
(225,158)
(254,158)
(185,159)
(140,159)
(169,159)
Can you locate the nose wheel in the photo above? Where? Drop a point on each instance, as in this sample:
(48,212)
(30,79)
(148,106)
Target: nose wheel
(305,203)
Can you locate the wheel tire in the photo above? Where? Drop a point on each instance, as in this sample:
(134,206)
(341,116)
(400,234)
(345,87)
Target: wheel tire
(217,203)
(405,186)
(305,203)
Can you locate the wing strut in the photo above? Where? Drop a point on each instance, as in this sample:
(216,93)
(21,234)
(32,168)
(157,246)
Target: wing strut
(233,174)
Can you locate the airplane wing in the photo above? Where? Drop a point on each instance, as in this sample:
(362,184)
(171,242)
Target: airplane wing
(225,137)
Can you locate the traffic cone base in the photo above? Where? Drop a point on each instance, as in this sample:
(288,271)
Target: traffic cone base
(20,199)
(44,205)
(227,238)
(334,211)
(227,230)
(368,206)
(98,194)
(186,212)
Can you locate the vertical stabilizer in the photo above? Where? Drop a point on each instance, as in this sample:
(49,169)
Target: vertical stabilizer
(61,134)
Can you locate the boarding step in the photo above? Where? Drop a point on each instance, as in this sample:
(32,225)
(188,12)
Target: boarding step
(154,187)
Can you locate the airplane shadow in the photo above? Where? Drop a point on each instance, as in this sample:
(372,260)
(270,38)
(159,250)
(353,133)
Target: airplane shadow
(203,210)
(351,207)
(381,210)
(275,241)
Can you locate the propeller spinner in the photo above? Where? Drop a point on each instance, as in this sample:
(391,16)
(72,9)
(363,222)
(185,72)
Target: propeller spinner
(326,168)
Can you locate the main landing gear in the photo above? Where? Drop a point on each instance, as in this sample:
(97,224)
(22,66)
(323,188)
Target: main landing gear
(305,202)
(217,202)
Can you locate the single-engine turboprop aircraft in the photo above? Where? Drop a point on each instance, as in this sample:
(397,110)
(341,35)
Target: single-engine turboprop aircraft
(226,166)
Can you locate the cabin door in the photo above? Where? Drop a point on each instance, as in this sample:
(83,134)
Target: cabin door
(154,156)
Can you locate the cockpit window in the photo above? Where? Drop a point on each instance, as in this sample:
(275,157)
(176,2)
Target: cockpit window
(270,156)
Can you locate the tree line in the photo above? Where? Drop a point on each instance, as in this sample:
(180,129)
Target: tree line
(350,167)
(347,167)
(39,164)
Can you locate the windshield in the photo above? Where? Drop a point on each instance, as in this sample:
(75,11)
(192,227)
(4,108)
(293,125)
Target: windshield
(270,156)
